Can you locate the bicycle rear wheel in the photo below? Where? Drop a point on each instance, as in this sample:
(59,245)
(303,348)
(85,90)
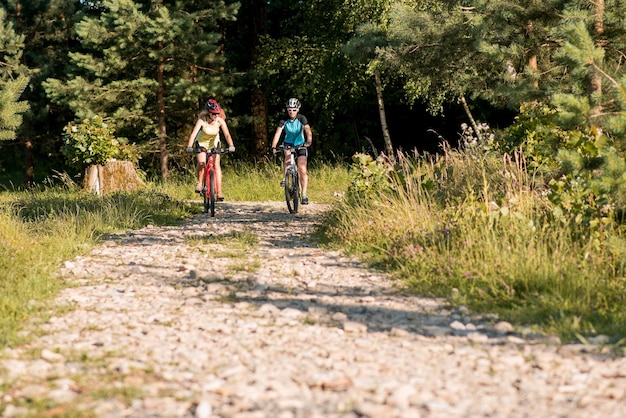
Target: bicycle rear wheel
(292,191)
(209,197)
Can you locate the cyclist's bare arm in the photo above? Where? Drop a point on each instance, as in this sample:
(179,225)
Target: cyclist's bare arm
(308,134)
(194,133)
(276,138)
(224,126)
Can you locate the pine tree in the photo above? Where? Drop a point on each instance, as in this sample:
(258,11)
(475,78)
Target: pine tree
(242,46)
(515,37)
(147,65)
(45,28)
(429,49)
(11,108)
(12,80)
(11,49)
(592,95)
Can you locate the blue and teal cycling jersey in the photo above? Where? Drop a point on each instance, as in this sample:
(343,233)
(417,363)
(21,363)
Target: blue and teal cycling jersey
(294,130)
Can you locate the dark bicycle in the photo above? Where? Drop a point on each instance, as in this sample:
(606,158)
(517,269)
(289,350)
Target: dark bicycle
(292,177)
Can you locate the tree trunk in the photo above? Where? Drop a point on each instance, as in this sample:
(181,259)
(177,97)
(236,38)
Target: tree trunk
(161,117)
(468,112)
(599,23)
(28,144)
(532,60)
(258,101)
(596,80)
(259,122)
(532,64)
(383,116)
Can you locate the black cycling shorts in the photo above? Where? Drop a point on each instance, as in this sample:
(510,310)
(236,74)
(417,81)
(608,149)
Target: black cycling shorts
(302,152)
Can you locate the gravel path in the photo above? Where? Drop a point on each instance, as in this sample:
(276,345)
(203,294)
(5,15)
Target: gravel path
(241,316)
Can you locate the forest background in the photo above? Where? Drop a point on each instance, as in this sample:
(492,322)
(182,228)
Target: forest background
(371,74)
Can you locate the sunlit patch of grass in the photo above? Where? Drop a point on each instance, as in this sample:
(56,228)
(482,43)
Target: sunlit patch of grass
(124,393)
(243,240)
(309,321)
(41,228)
(328,182)
(98,386)
(43,407)
(226,253)
(247,266)
(230,298)
(477,228)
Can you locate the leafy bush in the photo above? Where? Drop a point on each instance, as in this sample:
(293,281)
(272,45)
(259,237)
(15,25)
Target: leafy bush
(536,131)
(369,176)
(93,142)
(582,166)
(591,187)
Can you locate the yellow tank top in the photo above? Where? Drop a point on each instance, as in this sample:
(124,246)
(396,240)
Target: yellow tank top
(209,136)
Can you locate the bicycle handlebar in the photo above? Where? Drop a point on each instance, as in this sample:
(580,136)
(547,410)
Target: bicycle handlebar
(290,147)
(211,151)
(287,147)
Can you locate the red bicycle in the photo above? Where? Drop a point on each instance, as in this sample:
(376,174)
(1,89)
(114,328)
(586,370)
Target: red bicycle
(208,191)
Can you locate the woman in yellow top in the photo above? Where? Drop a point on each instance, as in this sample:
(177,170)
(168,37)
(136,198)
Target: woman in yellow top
(207,129)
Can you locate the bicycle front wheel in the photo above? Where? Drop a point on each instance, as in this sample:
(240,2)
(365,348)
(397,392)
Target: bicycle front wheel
(212,192)
(292,190)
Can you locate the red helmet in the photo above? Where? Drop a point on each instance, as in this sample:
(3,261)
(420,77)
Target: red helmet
(213,106)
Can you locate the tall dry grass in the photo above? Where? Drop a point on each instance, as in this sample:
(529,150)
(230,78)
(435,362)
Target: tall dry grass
(477,229)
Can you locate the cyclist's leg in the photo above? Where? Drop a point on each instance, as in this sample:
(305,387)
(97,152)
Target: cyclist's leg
(302,170)
(285,165)
(218,177)
(200,170)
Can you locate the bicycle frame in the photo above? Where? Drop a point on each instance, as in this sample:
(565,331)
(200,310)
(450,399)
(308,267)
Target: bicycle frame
(209,192)
(292,178)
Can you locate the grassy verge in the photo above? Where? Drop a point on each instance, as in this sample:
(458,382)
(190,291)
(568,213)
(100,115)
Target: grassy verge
(39,229)
(478,231)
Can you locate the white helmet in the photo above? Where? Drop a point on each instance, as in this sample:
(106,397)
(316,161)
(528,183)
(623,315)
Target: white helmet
(293,103)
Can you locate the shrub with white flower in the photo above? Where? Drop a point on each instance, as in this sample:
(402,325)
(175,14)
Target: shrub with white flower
(480,139)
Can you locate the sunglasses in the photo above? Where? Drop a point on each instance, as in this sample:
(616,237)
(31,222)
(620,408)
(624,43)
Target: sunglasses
(292,110)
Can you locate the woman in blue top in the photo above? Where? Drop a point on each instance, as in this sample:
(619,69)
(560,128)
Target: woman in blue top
(297,133)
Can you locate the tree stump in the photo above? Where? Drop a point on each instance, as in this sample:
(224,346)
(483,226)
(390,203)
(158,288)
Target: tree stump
(115,176)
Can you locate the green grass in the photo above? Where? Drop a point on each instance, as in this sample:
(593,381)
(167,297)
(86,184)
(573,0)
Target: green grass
(41,228)
(243,240)
(260,182)
(477,230)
